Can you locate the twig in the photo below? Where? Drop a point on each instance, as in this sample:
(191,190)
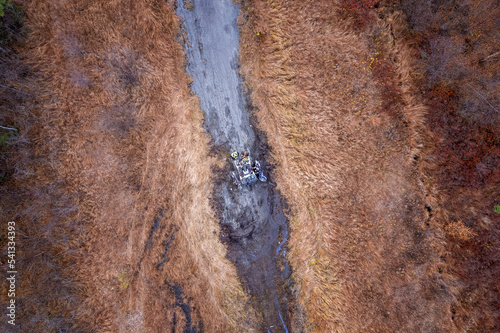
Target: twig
(482,97)
(6,109)
(8,128)
(492,55)
(16,90)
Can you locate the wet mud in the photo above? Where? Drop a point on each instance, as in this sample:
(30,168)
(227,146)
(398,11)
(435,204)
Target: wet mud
(254,226)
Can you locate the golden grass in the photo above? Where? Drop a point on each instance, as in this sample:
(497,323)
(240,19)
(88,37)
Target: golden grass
(117,146)
(365,253)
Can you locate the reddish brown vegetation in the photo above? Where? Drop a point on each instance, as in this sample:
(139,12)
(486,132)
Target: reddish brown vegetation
(469,153)
(459,45)
(381,148)
(111,192)
(360,11)
(387,154)
(346,128)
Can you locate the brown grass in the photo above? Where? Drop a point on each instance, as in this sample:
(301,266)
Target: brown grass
(116,179)
(458,44)
(350,143)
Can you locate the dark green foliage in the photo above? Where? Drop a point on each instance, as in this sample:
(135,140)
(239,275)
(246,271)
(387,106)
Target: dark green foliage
(2,7)
(11,17)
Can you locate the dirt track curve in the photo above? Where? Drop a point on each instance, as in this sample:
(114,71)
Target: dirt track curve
(252,217)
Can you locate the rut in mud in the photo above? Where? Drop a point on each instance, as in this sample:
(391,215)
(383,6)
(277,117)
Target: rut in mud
(253,218)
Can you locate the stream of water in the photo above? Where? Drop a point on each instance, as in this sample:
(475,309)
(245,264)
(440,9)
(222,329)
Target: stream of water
(256,228)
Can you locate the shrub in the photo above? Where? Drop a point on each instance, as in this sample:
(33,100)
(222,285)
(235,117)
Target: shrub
(459,230)
(420,13)
(359,10)
(2,8)
(11,17)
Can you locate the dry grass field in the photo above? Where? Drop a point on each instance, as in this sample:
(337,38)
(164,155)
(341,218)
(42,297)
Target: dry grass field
(382,120)
(110,185)
(377,243)
(457,47)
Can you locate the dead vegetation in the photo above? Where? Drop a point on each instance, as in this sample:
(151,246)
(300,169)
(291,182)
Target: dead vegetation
(111,189)
(349,128)
(387,155)
(458,43)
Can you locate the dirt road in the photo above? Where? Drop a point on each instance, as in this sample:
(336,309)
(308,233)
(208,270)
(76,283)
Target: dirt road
(256,229)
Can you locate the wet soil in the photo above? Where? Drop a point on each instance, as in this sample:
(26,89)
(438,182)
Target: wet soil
(254,226)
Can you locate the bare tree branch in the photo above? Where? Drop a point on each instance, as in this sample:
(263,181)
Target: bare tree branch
(482,97)
(19,91)
(8,128)
(491,55)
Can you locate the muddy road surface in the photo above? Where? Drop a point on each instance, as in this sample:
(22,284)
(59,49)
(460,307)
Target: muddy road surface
(255,227)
